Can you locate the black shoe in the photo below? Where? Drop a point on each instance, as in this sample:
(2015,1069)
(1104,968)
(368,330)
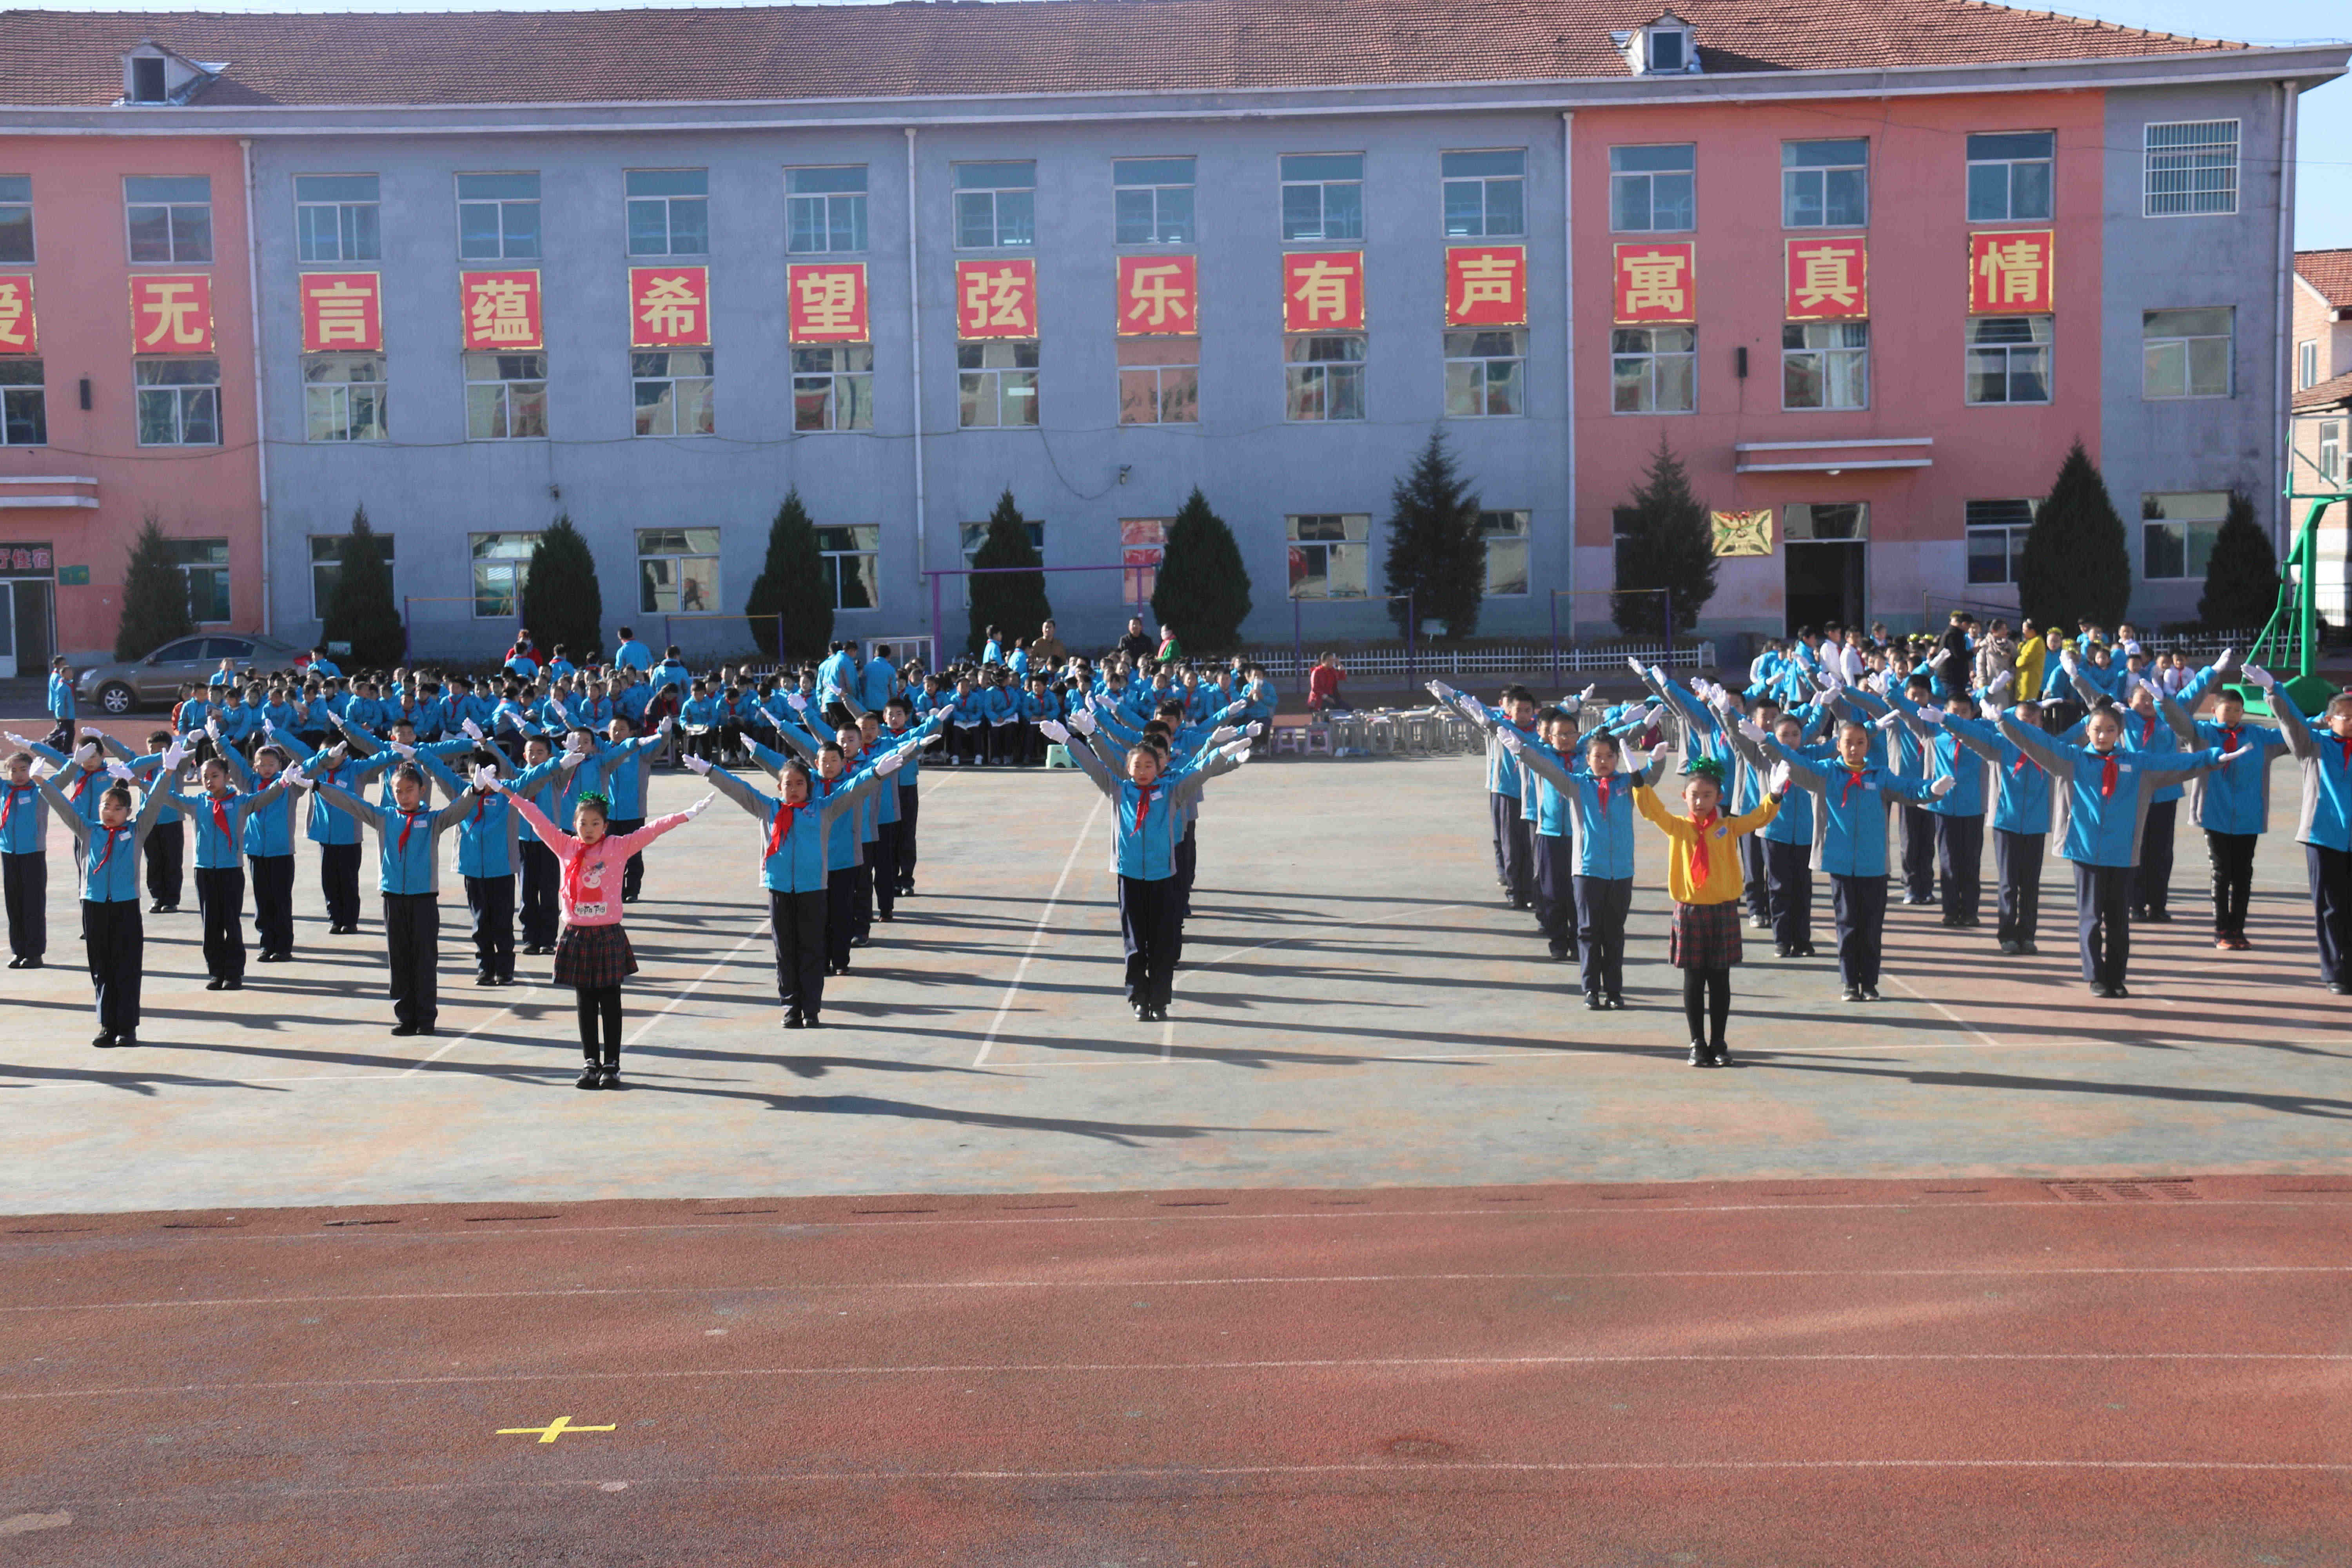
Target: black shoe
(1142,1013)
(1850,994)
(103,1041)
(234,982)
(609,1077)
(2340,987)
(214,983)
(861,941)
(1757,922)
(2028,949)
(1700,1056)
(1784,952)
(1870,993)
(589,1077)
(811,1020)
(1805,950)
(1721,1053)
(2009,949)
(1592,1001)
(792,1019)
(404,1028)
(2118,991)
(15,963)
(484,977)
(1560,953)
(155,909)
(426,1029)
(1616,999)
(126,1039)
(2101,988)
(33,964)
(2159,917)
(884,915)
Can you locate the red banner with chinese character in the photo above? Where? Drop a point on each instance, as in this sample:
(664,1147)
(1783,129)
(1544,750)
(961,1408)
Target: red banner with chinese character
(996,298)
(1658,282)
(501,310)
(1486,286)
(2013,273)
(18,334)
(172,315)
(670,307)
(1828,280)
(342,310)
(1322,291)
(827,301)
(1158,295)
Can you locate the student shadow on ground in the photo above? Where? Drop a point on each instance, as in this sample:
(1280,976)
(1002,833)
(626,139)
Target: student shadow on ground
(1126,1134)
(2287,1104)
(13,1075)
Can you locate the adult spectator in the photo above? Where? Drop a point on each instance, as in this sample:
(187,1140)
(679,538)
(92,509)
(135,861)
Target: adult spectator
(631,654)
(1137,644)
(1047,652)
(1323,684)
(1996,654)
(879,681)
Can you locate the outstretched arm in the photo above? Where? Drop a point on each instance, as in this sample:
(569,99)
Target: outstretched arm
(372,816)
(64,805)
(2045,756)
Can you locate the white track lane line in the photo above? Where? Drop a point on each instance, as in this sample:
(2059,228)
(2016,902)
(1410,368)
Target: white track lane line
(1037,935)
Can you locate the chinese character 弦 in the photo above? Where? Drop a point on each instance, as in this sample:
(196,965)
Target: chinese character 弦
(998,299)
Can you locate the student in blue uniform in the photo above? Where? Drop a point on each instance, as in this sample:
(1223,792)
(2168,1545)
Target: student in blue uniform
(61,704)
(1598,799)
(2145,730)
(1788,838)
(2323,828)
(269,842)
(408,876)
(624,761)
(219,812)
(1514,845)
(23,858)
(1544,812)
(2021,819)
(107,861)
(631,654)
(2232,804)
(1958,813)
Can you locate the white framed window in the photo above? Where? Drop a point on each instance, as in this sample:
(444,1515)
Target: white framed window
(1653,190)
(1826,185)
(669,212)
(1825,364)
(2177,531)
(996,205)
(336,218)
(2306,363)
(497,216)
(2331,451)
(996,383)
(1323,195)
(1485,373)
(1329,553)
(1997,530)
(2187,353)
(1325,376)
(327,566)
(2191,169)
(1160,381)
(179,402)
(170,216)
(825,209)
(203,565)
(1654,370)
(501,569)
(970,536)
(1142,545)
(506,396)
(1151,201)
(833,387)
(853,564)
(1506,534)
(677,570)
(1485,193)
(343,397)
(2008,359)
(23,404)
(672,390)
(2009,175)
(16,218)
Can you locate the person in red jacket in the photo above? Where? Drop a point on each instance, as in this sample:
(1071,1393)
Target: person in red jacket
(1323,684)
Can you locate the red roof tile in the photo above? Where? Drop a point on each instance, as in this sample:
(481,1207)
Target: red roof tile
(930,47)
(2327,394)
(2329,272)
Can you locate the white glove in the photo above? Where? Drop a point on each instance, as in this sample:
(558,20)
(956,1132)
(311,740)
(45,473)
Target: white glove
(406,754)
(1777,781)
(1232,709)
(889,765)
(2229,757)
(1989,708)
(473,730)
(173,754)
(700,806)
(1239,752)
(2226,663)
(87,751)
(1054,732)
(293,777)
(796,702)
(1888,720)
(268,728)
(116,768)
(946,712)
(1254,730)
(1440,690)
(22,742)
(699,764)
(1725,703)
(1657,753)
(2005,682)
(1940,788)
(664,727)
(1752,729)
(1512,741)
(2068,662)
(1635,664)
(1221,733)
(1084,723)
(485,779)
(575,745)
(1470,708)
(1657,674)
(1589,693)
(2260,677)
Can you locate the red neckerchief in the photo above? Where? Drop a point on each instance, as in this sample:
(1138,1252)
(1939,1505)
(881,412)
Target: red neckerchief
(1845,790)
(98,865)
(220,820)
(572,870)
(1699,862)
(2230,737)
(787,817)
(407,821)
(1601,782)
(481,804)
(2147,729)
(1142,803)
(2107,772)
(9,806)
(82,785)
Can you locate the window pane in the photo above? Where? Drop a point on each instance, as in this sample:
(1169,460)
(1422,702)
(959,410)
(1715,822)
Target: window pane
(689,228)
(2186,323)
(995,177)
(494,187)
(1502,387)
(1151,171)
(1134,212)
(1847,201)
(1180,396)
(1988,192)
(520,223)
(168,188)
(1628,203)
(2011,144)
(1176,214)
(1674,202)
(1343,212)
(2209,367)
(1504,213)
(1801,199)
(15,234)
(1676,392)
(1017,218)
(1323,167)
(1459,165)
(335,187)
(1507,566)
(648,229)
(477,229)
(668,182)
(811,182)
(1823,154)
(2029,190)
(975,219)
(1466,207)
(2163,546)
(1462,388)
(192,234)
(2164,371)
(1302,212)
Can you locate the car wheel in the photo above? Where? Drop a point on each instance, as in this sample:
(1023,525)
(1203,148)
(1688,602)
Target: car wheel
(117,699)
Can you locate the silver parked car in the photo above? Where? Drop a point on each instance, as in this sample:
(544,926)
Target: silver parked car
(115,690)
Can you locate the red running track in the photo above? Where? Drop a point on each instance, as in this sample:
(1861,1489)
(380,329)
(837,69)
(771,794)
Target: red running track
(1909,1374)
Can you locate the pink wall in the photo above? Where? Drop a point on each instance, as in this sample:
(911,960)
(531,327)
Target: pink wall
(1918,307)
(82,282)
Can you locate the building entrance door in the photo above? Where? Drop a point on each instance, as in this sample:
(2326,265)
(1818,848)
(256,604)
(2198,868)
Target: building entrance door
(1825,562)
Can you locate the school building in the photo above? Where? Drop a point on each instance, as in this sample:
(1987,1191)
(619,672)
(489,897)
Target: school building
(1866,274)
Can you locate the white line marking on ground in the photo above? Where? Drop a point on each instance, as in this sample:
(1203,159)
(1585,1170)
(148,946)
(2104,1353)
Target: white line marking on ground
(1981,1036)
(1037,935)
(529,990)
(734,953)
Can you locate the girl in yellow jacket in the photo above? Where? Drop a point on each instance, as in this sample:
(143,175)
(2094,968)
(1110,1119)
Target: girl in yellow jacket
(1704,875)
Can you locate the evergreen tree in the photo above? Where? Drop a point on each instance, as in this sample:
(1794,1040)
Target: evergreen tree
(791,584)
(1435,553)
(2075,565)
(361,612)
(2241,580)
(1203,590)
(154,596)
(1664,541)
(560,601)
(1014,602)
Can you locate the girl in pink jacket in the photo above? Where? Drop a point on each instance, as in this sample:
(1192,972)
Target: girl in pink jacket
(592,955)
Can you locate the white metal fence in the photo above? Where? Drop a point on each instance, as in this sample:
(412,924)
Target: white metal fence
(1517,659)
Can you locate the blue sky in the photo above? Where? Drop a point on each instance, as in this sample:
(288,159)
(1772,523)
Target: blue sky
(2324,152)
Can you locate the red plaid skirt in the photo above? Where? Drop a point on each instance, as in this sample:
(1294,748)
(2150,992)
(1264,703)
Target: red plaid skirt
(593,956)
(1705,936)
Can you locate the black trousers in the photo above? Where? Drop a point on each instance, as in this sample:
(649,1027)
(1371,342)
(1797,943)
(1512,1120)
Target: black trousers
(491,902)
(25,887)
(911,800)
(220,897)
(882,865)
(1602,905)
(273,902)
(1514,855)
(965,741)
(2331,901)
(1151,927)
(1188,862)
(633,874)
(1760,886)
(1918,853)
(339,883)
(412,935)
(1959,851)
(166,852)
(2102,921)
(1789,876)
(115,941)
(840,914)
(1555,891)
(799,922)
(2019,856)
(540,875)
(2232,854)
(1860,906)
(2152,878)
(600,1005)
